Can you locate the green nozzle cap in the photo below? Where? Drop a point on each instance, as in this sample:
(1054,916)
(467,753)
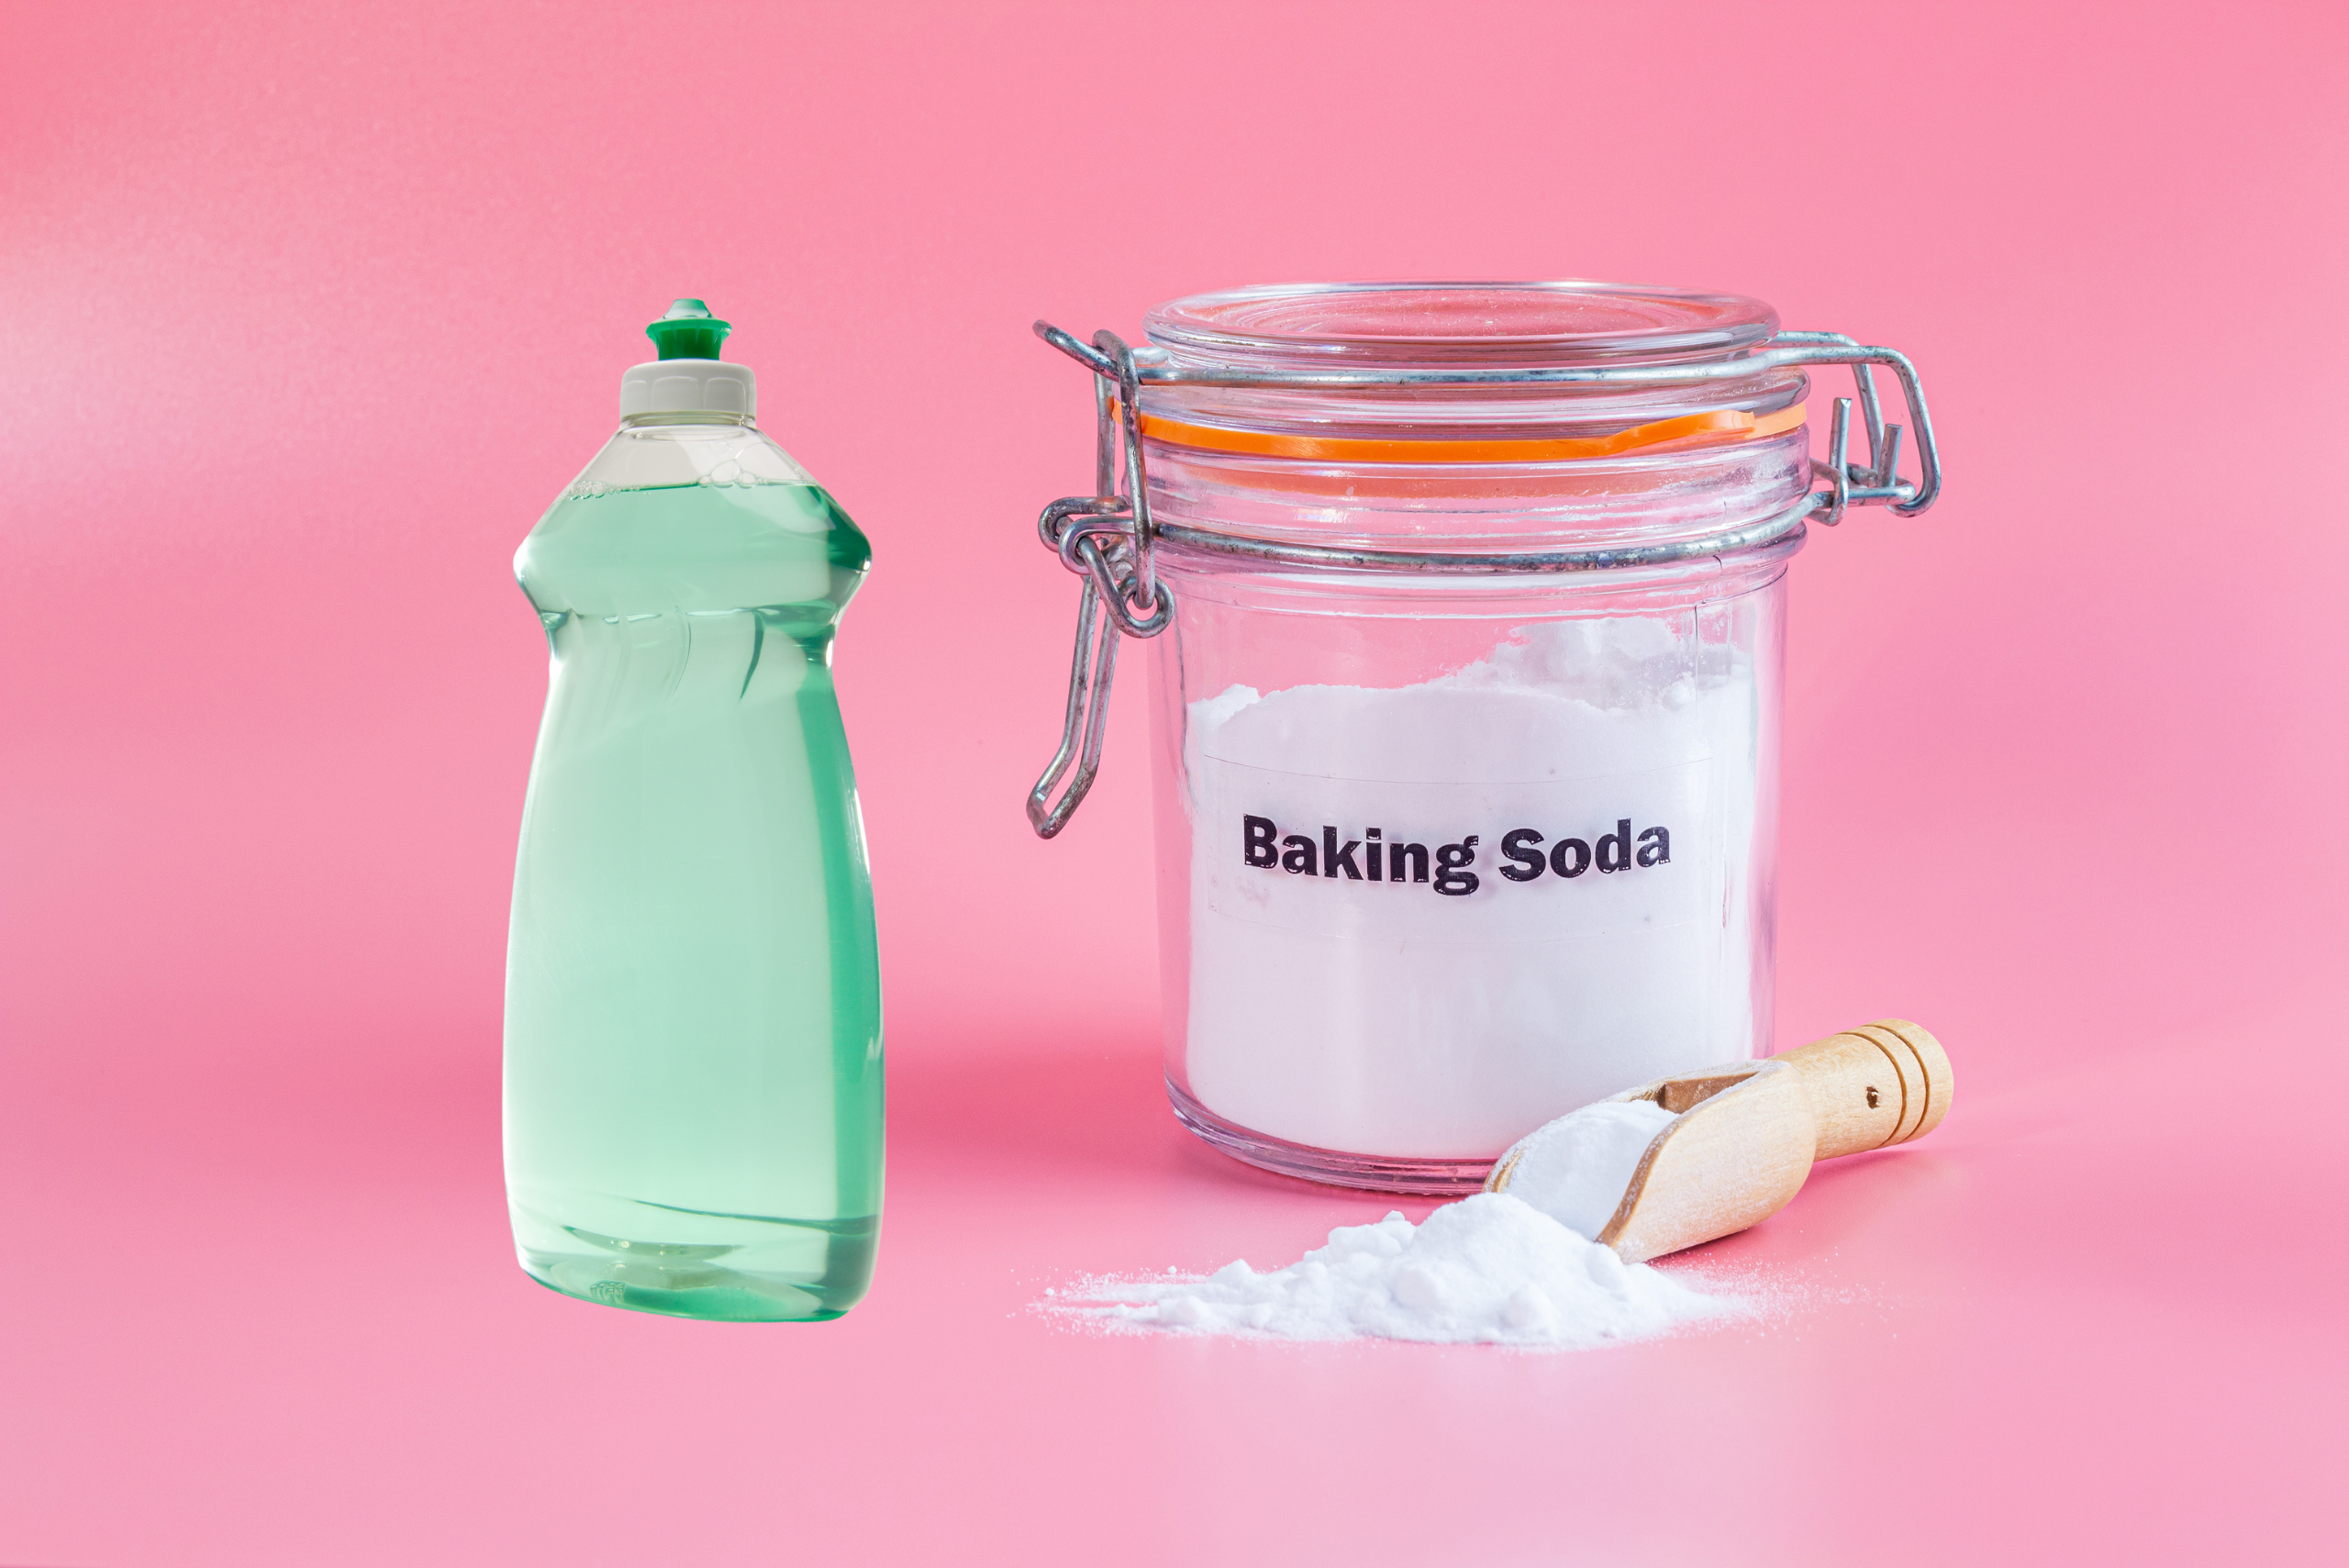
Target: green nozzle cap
(688,332)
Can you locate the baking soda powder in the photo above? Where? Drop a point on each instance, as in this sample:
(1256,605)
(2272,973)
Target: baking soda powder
(1514,1268)
(1426,920)
(1576,1169)
(1488,1270)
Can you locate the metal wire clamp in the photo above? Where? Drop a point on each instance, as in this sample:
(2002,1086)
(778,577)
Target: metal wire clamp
(1107,538)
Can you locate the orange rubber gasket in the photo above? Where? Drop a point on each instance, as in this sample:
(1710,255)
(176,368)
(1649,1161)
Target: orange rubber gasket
(1735,423)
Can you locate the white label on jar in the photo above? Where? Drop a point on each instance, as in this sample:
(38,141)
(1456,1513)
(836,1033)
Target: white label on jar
(1461,861)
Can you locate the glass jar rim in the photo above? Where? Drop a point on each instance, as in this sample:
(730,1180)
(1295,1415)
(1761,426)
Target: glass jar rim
(1436,325)
(1331,371)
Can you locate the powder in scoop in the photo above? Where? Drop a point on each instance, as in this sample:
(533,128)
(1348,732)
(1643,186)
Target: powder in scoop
(1488,1270)
(1576,1169)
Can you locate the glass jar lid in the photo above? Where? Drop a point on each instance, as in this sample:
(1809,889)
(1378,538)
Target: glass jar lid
(1537,335)
(1485,326)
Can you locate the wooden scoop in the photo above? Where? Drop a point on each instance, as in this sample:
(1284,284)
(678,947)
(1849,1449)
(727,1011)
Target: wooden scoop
(1746,1134)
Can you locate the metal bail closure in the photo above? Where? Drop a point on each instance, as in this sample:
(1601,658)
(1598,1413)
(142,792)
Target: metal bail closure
(1106,538)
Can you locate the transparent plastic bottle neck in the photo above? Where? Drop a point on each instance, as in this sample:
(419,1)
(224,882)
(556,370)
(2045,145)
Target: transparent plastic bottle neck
(692,416)
(659,450)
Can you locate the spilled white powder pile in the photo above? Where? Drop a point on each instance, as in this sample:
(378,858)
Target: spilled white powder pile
(1513,1268)
(1488,1270)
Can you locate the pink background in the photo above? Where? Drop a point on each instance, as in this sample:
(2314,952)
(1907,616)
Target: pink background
(307,312)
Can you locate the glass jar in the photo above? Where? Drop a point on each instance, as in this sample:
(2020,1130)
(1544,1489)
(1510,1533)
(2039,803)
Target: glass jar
(1468,608)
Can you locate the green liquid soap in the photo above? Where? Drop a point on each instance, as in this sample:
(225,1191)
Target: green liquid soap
(693,1015)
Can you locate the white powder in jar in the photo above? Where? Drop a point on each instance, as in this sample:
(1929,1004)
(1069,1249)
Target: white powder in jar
(1425,921)
(1487,1270)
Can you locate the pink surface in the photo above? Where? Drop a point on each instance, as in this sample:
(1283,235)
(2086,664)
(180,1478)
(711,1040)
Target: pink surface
(2064,764)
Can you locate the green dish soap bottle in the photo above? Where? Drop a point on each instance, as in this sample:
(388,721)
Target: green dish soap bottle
(693,999)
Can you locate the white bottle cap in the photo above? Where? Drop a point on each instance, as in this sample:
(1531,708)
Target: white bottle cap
(689,377)
(689,387)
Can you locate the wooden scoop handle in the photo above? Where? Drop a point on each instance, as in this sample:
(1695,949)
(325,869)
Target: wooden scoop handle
(1871,1087)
